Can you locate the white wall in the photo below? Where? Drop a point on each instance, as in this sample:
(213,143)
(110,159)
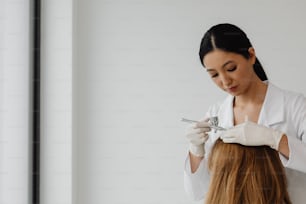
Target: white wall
(137,72)
(14,102)
(56,102)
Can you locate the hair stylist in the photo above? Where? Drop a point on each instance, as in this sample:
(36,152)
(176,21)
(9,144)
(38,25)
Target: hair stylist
(276,117)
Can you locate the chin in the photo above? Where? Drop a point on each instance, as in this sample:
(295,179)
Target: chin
(234,93)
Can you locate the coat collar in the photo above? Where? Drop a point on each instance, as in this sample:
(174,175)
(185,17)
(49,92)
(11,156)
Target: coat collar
(272,111)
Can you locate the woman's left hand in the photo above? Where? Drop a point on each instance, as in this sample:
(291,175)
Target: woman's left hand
(252,134)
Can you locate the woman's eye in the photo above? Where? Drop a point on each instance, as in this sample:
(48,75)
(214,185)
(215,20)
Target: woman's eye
(232,69)
(214,75)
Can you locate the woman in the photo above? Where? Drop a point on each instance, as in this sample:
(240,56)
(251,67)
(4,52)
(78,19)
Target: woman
(246,175)
(277,118)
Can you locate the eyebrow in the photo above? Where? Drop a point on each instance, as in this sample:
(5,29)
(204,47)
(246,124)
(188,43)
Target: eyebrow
(226,63)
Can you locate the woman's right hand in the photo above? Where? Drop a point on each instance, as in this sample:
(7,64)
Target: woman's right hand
(197,135)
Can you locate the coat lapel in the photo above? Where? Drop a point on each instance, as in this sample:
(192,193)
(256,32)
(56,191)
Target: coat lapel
(226,117)
(272,111)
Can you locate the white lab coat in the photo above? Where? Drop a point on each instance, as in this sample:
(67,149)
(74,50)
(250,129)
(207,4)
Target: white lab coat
(282,110)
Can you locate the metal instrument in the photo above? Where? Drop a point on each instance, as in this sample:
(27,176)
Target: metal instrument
(214,123)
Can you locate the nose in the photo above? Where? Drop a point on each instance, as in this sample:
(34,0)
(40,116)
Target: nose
(225,80)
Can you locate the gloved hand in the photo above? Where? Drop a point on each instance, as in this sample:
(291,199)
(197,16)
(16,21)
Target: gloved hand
(197,136)
(252,134)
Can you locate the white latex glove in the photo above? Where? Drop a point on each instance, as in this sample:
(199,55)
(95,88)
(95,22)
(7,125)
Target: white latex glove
(252,134)
(197,136)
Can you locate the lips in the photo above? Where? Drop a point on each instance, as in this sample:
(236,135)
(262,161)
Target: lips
(232,89)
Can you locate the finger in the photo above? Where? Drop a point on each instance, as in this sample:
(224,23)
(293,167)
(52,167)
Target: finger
(202,124)
(229,140)
(203,135)
(204,119)
(193,138)
(197,139)
(190,129)
(228,134)
(205,138)
(227,137)
(200,130)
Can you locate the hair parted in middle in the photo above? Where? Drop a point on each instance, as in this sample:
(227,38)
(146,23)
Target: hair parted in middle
(229,38)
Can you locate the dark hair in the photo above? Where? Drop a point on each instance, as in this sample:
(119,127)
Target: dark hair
(230,38)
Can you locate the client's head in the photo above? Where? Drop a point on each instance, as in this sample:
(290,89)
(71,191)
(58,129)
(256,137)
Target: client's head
(246,175)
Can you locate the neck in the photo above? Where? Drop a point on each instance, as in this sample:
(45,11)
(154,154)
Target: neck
(254,95)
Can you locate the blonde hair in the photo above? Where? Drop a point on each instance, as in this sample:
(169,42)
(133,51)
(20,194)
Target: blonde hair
(246,175)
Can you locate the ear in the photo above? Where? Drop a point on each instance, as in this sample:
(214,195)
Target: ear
(252,55)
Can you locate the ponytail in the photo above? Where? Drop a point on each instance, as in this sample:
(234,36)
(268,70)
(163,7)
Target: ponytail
(260,72)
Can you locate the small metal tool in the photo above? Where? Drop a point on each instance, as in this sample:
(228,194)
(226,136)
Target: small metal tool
(213,120)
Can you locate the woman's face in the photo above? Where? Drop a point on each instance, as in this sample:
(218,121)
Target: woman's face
(232,72)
